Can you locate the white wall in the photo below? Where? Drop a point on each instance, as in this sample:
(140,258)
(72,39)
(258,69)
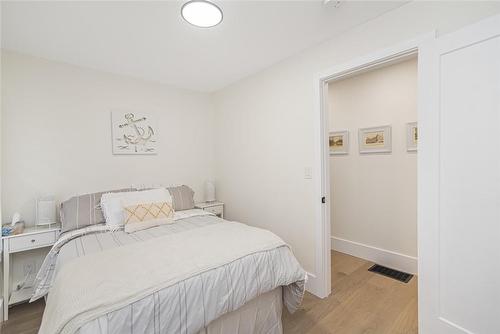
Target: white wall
(265,125)
(374,196)
(56,133)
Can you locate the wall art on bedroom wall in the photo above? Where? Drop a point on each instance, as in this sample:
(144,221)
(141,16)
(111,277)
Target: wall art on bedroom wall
(375,140)
(411,137)
(133,133)
(339,142)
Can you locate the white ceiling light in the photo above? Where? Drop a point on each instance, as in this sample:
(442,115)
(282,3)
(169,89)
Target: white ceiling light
(201,13)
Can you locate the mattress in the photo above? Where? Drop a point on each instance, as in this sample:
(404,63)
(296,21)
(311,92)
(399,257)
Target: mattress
(244,296)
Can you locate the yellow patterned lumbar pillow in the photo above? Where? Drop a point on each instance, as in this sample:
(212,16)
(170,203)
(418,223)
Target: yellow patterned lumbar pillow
(146,215)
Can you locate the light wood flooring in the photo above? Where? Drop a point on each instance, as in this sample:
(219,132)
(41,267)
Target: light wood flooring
(361,302)
(24,318)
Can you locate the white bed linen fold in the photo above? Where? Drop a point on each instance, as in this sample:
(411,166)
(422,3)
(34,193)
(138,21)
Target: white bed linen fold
(103,240)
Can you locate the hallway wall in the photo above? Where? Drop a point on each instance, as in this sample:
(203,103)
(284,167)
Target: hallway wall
(374,196)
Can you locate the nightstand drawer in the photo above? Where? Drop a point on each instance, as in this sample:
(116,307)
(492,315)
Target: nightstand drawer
(31,241)
(215,209)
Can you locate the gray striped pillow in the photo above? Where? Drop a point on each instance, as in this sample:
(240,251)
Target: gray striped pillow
(84,210)
(182,197)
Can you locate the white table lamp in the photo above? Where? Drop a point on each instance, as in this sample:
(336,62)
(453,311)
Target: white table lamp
(45,211)
(209,191)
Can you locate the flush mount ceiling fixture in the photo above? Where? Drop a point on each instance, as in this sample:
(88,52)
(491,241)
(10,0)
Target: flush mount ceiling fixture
(201,13)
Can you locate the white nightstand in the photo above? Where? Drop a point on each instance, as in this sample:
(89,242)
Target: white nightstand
(31,238)
(216,208)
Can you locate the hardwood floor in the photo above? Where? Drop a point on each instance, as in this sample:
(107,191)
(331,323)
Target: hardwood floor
(24,318)
(361,302)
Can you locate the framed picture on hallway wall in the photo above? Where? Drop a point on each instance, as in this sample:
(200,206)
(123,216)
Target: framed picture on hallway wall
(411,137)
(338,142)
(375,140)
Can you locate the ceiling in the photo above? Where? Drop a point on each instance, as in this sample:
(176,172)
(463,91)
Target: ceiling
(149,39)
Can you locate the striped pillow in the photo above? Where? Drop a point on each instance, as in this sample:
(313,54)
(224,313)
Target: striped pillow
(182,197)
(84,210)
(146,215)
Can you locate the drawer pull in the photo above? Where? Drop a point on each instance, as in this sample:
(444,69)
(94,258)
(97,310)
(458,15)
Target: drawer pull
(33,240)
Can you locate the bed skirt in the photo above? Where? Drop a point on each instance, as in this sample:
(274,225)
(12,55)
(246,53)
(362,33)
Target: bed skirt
(260,315)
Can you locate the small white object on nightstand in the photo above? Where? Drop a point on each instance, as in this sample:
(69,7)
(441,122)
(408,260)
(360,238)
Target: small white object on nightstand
(31,238)
(209,192)
(45,211)
(216,208)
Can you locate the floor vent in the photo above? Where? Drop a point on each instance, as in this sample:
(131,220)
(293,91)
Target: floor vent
(392,273)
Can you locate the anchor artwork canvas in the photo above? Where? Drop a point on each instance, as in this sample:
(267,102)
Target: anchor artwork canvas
(375,140)
(133,133)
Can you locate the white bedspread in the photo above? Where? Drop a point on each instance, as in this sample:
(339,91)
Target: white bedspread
(200,274)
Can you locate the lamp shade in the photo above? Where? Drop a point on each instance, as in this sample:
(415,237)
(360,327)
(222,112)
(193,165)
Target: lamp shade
(45,211)
(209,191)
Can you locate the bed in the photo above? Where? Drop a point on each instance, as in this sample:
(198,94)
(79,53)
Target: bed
(199,274)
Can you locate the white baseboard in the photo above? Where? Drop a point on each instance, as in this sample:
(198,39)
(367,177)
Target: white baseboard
(312,284)
(380,256)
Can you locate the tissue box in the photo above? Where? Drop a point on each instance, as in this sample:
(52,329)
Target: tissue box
(18,228)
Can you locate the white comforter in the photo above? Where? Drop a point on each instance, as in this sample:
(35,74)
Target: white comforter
(180,282)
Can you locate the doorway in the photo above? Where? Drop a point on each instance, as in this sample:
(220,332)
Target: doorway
(373,194)
(320,284)
(450,70)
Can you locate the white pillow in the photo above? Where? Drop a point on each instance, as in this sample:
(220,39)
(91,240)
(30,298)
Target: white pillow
(113,204)
(112,210)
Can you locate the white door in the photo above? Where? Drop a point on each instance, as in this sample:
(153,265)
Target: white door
(459,182)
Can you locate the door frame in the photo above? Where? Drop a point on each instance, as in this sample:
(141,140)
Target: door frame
(320,281)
